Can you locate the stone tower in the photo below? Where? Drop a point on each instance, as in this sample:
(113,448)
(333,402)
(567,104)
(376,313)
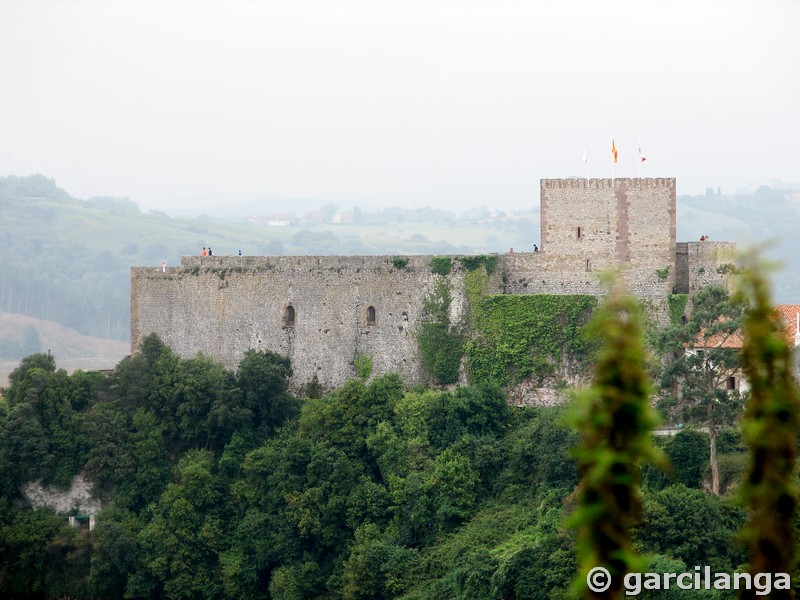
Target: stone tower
(599,224)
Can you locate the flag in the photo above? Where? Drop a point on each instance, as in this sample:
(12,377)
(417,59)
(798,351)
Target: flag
(586,155)
(614,150)
(641,156)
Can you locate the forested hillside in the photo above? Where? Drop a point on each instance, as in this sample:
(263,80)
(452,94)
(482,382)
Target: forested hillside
(218,484)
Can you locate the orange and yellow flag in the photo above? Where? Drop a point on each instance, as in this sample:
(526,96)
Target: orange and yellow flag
(613,150)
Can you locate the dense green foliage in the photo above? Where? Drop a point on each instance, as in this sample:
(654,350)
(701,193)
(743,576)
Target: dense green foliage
(441,265)
(525,337)
(677,307)
(399,262)
(217,484)
(512,338)
(363,365)
(473,263)
(440,342)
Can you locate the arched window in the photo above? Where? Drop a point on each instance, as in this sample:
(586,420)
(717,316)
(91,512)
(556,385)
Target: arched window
(371,316)
(289,316)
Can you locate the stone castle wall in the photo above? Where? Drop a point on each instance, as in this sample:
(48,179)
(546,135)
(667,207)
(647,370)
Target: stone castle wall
(224,305)
(705,264)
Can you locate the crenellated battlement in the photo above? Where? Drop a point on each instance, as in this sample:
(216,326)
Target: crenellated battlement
(609,184)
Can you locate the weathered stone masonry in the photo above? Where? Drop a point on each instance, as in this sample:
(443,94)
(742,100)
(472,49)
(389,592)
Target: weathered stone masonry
(324,311)
(224,305)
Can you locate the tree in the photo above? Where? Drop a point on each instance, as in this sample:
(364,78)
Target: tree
(42,437)
(115,552)
(263,378)
(441,343)
(690,525)
(34,361)
(702,355)
(377,567)
(24,538)
(181,543)
(134,375)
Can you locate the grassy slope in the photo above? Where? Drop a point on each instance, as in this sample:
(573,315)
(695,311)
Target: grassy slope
(71,349)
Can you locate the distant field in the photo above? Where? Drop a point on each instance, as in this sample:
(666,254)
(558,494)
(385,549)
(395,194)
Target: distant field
(72,350)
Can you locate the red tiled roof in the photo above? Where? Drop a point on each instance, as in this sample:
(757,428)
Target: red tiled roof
(788,314)
(720,340)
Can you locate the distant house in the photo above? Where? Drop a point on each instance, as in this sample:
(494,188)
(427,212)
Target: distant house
(280,219)
(790,317)
(343,217)
(316,216)
(705,347)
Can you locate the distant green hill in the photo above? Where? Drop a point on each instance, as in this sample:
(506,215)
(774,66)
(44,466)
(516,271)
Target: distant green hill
(22,336)
(68,261)
(768,217)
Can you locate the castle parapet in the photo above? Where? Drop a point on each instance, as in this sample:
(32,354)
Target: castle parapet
(698,264)
(579,183)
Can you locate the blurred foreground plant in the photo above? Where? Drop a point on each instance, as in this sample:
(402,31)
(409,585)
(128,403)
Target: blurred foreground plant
(770,430)
(615,420)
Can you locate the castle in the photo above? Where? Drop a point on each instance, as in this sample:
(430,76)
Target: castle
(325,311)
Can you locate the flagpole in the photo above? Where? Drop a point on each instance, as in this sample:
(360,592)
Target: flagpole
(613,160)
(639,157)
(586,162)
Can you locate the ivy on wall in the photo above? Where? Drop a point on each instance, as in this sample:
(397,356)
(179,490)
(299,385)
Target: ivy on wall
(363,365)
(517,337)
(473,263)
(399,262)
(677,307)
(441,265)
(441,343)
(512,337)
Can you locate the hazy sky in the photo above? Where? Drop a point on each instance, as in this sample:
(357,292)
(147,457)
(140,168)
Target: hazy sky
(180,104)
